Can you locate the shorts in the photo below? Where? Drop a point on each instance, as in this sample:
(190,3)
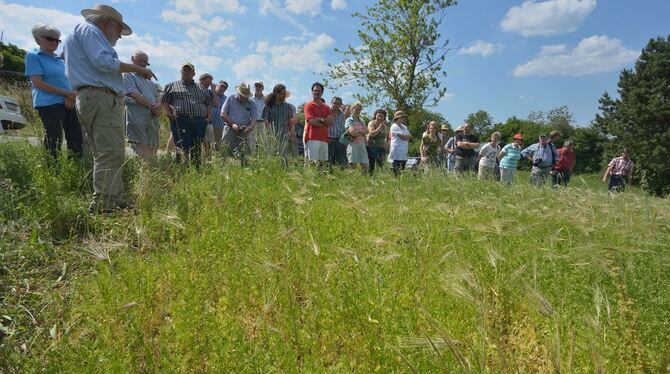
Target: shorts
(209,133)
(141,125)
(357,153)
(316,150)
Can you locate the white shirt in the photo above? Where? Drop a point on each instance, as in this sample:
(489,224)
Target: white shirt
(260,105)
(488,155)
(399,147)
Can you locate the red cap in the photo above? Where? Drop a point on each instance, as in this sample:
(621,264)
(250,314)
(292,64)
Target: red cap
(518,137)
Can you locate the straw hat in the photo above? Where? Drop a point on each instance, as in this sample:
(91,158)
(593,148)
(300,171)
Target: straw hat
(399,114)
(111,13)
(445,127)
(244,90)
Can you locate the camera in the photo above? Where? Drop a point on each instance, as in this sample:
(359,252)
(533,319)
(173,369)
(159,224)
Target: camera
(537,162)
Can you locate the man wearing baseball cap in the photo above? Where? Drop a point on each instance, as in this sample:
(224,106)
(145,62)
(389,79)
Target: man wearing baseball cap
(94,70)
(189,108)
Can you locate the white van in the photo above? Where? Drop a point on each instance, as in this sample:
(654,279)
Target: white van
(10,115)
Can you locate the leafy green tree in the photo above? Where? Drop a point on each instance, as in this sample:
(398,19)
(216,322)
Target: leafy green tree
(12,65)
(401,58)
(561,119)
(640,118)
(482,123)
(589,145)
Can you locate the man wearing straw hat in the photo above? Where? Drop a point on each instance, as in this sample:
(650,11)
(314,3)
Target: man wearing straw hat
(240,115)
(94,70)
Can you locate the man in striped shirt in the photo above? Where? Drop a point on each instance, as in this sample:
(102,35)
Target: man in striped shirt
(337,152)
(618,169)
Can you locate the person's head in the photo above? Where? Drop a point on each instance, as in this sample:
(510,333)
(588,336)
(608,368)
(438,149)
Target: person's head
(518,139)
(467,128)
(258,88)
(278,94)
(432,128)
(356,109)
(243,92)
(380,115)
(47,37)
(206,79)
(109,21)
(444,130)
(568,144)
(555,136)
(625,153)
(187,72)
(336,103)
(400,117)
(542,139)
(317,91)
(221,88)
(140,58)
(495,137)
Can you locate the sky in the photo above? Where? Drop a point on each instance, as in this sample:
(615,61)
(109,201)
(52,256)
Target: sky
(508,57)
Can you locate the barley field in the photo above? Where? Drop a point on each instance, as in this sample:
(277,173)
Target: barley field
(233,270)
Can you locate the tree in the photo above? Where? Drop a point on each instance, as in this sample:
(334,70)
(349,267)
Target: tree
(589,145)
(561,119)
(482,123)
(400,62)
(640,118)
(13,65)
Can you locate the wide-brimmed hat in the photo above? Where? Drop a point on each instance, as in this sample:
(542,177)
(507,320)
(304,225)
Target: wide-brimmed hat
(244,90)
(554,133)
(399,114)
(111,13)
(518,137)
(445,128)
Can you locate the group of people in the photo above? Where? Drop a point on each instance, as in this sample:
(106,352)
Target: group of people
(98,102)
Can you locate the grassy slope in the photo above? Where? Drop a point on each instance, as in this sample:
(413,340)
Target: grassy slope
(238,270)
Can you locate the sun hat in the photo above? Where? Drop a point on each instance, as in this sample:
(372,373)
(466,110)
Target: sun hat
(444,128)
(460,128)
(518,137)
(244,90)
(111,13)
(399,114)
(190,65)
(554,133)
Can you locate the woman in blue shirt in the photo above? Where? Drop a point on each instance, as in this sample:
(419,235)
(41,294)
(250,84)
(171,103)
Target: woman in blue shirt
(509,157)
(52,94)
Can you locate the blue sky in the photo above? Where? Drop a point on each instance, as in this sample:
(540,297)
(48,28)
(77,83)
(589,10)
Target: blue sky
(508,57)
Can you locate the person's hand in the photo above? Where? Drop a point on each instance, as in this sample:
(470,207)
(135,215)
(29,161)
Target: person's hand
(248,130)
(424,159)
(71,95)
(235,127)
(604,179)
(171,115)
(146,73)
(69,103)
(156,109)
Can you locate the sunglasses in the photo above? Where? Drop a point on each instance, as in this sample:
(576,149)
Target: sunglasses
(50,39)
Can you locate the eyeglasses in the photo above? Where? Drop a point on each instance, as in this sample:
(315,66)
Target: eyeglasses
(52,40)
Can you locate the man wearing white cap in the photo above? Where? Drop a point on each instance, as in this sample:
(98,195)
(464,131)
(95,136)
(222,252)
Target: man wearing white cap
(94,71)
(258,136)
(240,114)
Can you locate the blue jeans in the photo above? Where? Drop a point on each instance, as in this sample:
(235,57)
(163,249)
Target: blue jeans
(188,135)
(337,153)
(561,177)
(617,183)
(376,156)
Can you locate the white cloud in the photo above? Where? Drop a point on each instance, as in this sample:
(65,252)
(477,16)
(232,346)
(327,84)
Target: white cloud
(262,46)
(226,41)
(16,20)
(170,15)
(446,97)
(309,7)
(203,7)
(480,47)
(198,36)
(338,4)
(249,67)
(592,55)
(546,18)
(302,57)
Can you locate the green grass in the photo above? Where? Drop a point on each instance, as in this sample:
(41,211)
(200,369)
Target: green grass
(262,270)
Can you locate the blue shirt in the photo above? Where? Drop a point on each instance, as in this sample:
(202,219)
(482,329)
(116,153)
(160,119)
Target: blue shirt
(52,70)
(511,158)
(217,120)
(90,60)
(243,114)
(547,154)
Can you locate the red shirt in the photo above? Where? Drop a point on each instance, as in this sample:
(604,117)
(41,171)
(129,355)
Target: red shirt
(566,160)
(312,111)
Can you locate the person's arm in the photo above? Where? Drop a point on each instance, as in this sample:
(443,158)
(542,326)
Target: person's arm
(374,131)
(422,149)
(502,153)
(41,85)
(208,117)
(528,152)
(166,101)
(607,172)
(629,176)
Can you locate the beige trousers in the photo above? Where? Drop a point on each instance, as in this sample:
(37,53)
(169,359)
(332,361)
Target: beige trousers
(102,118)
